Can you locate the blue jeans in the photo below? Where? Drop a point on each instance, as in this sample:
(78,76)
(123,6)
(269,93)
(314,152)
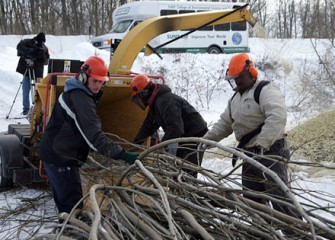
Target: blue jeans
(66,186)
(26,93)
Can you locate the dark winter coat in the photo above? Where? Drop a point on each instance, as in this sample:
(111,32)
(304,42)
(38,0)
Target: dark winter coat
(174,114)
(74,128)
(31,49)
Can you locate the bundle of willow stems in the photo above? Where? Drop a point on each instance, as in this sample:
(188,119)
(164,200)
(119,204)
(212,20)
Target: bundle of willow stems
(158,198)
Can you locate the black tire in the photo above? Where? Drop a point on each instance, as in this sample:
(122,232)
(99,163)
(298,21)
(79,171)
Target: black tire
(214,50)
(10,156)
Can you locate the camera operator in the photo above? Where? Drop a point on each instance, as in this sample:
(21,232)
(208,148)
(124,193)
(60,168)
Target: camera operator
(33,56)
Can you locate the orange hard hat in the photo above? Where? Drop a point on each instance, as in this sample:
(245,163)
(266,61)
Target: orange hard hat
(96,68)
(238,62)
(139,83)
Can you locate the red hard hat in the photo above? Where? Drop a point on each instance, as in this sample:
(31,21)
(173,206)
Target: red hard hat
(237,63)
(96,68)
(139,83)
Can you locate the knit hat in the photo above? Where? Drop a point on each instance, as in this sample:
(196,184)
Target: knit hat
(40,37)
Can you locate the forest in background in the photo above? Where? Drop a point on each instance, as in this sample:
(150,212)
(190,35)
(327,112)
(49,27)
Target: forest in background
(280,18)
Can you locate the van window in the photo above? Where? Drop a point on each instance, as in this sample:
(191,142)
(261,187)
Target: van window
(186,11)
(239,26)
(135,23)
(121,27)
(222,27)
(168,12)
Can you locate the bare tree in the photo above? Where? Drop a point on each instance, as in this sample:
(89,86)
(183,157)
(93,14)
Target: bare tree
(305,11)
(286,18)
(3,22)
(332,21)
(260,8)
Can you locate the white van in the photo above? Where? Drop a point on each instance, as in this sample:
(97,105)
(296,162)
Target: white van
(223,38)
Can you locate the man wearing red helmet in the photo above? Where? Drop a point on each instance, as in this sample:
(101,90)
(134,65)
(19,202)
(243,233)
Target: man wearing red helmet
(175,115)
(258,121)
(73,129)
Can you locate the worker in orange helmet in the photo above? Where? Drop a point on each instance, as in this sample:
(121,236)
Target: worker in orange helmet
(256,114)
(73,130)
(177,117)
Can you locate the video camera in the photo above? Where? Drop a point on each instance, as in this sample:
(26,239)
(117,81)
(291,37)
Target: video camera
(32,52)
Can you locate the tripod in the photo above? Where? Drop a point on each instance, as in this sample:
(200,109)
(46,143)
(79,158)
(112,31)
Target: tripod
(30,72)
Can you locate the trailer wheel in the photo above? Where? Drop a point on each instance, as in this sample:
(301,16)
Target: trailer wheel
(214,50)
(10,157)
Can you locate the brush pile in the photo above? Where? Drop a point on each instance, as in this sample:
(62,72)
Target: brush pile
(155,198)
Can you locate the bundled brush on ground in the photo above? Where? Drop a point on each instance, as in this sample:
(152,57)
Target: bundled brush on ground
(156,199)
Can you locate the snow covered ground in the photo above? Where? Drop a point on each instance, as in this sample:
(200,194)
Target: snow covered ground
(292,52)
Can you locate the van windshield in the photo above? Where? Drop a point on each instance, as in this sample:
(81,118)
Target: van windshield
(121,27)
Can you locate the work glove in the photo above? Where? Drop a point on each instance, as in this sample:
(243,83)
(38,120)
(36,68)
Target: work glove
(201,147)
(129,157)
(172,149)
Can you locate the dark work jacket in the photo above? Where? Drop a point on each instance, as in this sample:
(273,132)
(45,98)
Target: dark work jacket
(74,128)
(23,47)
(175,115)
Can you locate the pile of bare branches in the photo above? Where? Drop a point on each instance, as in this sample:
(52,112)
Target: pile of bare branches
(156,198)
(24,212)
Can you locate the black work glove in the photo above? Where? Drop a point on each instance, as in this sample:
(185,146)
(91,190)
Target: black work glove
(129,157)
